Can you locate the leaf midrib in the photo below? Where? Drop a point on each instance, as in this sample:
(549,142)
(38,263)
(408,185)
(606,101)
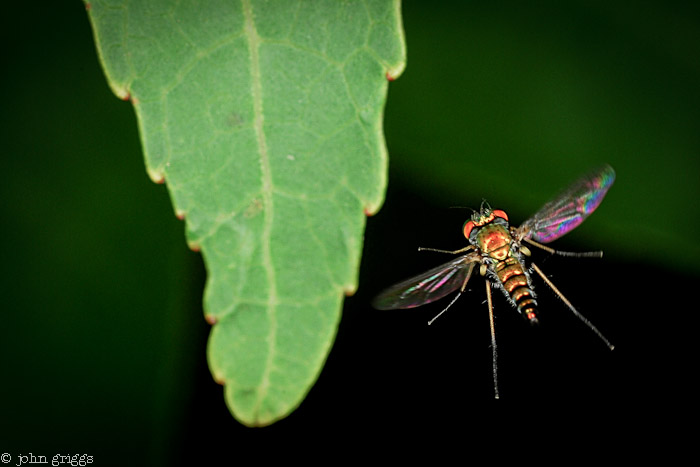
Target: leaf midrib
(258,118)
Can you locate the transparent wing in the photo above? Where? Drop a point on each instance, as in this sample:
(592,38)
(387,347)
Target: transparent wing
(427,287)
(565,212)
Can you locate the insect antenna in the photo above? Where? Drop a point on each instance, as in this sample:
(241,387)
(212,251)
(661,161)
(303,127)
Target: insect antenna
(585,254)
(463,207)
(571,307)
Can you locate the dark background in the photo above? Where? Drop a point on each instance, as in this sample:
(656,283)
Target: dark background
(102,336)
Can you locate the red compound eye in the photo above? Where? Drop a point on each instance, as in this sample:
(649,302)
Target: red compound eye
(468,226)
(501,214)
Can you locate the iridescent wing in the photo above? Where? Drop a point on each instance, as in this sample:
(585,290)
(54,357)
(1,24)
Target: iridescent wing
(427,287)
(570,208)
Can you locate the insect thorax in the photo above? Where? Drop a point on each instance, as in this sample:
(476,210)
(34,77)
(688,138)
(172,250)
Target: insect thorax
(494,240)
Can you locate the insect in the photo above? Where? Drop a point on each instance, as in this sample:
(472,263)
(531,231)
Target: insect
(499,251)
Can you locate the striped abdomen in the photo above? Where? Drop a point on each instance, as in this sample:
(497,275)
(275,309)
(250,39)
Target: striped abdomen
(515,282)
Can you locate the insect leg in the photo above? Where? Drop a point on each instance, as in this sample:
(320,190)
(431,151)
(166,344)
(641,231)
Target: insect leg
(571,307)
(585,254)
(494,352)
(456,252)
(461,290)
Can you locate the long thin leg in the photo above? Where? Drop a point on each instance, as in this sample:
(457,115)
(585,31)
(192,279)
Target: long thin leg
(571,307)
(494,351)
(461,290)
(585,254)
(445,309)
(455,252)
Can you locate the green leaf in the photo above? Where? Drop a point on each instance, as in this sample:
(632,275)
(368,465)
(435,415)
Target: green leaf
(264,118)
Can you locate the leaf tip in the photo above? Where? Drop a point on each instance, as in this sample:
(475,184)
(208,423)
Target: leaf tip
(194,246)
(180,215)
(121,91)
(370,211)
(211,319)
(393,73)
(156,176)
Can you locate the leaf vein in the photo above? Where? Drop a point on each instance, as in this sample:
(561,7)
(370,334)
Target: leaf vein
(256,83)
